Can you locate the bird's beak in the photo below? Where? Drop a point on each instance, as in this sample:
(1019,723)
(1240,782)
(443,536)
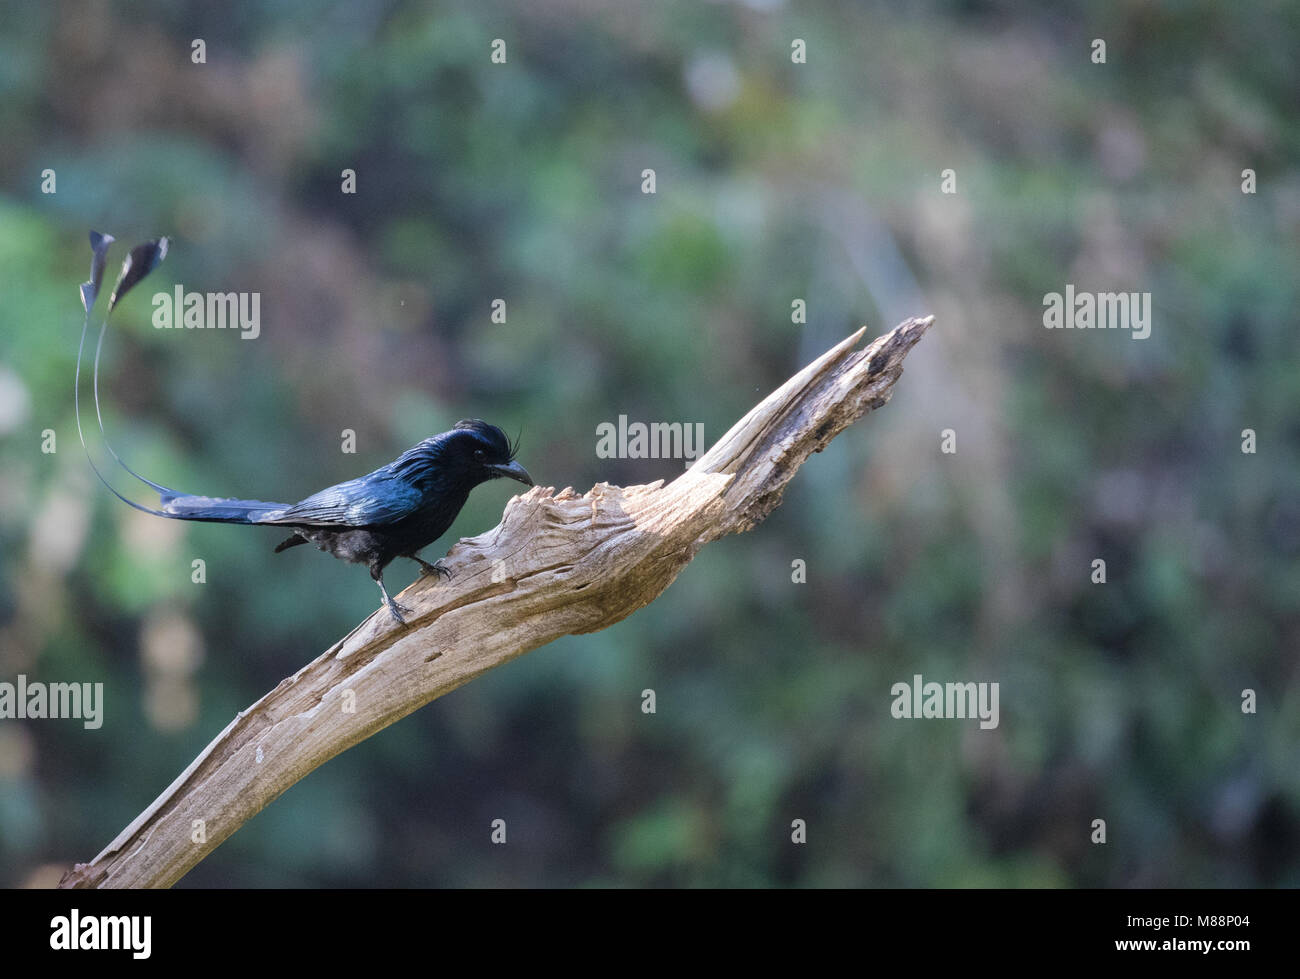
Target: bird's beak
(514,471)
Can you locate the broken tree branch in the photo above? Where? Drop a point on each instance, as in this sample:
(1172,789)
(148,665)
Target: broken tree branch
(556,564)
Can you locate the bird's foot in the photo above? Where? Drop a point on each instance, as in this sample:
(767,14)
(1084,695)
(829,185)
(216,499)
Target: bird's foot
(393,607)
(398,611)
(437,569)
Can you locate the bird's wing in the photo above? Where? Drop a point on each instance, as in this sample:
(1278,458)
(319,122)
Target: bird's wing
(379,498)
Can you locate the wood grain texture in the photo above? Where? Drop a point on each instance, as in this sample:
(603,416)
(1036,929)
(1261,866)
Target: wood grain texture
(558,563)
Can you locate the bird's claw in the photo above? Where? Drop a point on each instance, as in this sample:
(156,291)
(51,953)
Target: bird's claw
(437,569)
(398,610)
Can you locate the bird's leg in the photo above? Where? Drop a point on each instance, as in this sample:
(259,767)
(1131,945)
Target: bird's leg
(438,569)
(378,574)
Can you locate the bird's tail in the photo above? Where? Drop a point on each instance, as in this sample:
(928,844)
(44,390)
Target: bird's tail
(183,506)
(219,510)
(175,505)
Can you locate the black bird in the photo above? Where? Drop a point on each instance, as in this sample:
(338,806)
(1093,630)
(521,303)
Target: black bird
(395,511)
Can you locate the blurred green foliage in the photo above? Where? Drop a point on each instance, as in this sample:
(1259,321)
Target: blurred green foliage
(775,181)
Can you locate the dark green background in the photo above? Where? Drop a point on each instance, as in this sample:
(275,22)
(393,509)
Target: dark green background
(776,181)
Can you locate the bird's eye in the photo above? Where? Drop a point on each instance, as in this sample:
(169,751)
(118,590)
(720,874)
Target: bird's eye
(478,454)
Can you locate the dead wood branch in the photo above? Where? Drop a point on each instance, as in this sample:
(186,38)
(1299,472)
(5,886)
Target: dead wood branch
(556,564)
